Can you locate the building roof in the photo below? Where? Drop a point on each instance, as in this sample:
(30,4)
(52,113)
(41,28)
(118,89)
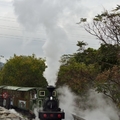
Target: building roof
(11,87)
(26,88)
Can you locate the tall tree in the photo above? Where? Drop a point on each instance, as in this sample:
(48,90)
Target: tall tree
(105,26)
(81,45)
(24,71)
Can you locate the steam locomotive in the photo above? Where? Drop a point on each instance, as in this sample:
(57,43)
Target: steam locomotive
(51,110)
(25,99)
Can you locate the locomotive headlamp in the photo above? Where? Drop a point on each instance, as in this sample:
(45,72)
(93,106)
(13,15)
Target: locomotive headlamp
(51,98)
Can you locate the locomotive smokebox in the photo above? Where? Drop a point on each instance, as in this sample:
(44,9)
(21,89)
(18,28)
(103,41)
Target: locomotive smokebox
(51,89)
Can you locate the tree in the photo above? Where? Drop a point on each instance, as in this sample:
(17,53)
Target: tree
(87,56)
(108,82)
(105,26)
(79,70)
(78,76)
(24,71)
(81,45)
(108,56)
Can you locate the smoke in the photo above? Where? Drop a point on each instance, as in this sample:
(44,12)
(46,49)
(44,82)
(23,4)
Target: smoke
(101,108)
(52,15)
(36,110)
(67,101)
(53,53)
(95,107)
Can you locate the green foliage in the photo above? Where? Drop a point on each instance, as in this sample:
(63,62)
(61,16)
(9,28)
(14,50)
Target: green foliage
(108,82)
(78,76)
(81,45)
(90,68)
(24,71)
(98,69)
(108,56)
(66,58)
(88,56)
(117,8)
(106,28)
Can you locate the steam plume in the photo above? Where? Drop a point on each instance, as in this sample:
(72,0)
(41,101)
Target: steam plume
(50,14)
(96,107)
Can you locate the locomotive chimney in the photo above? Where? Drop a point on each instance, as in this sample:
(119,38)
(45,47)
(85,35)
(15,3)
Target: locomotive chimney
(51,89)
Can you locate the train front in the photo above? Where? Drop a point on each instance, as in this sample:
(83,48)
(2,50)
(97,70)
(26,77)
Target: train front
(51,110)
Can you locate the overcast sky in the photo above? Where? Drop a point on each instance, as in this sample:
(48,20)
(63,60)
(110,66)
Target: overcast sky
(26,25)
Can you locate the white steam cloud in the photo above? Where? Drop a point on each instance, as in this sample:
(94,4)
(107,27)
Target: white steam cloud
(53,49)
(101,108)
(67,101)
(52,15)
(96,107)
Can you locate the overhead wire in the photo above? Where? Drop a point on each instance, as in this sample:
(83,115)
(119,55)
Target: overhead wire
(11,19)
